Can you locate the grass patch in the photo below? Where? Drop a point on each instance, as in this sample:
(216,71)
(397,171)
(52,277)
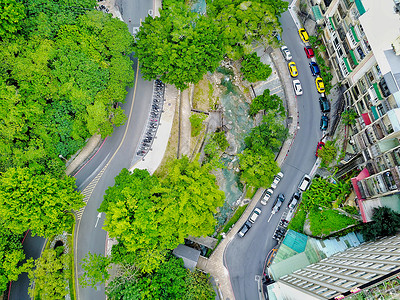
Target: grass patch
(235,218)
(297,223)
(322,222)
(250,192)
(203,91)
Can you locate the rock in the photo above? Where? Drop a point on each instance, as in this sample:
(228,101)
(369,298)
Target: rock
(230,166)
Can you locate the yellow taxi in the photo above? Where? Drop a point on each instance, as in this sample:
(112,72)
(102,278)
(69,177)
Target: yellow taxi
(303,35)
(293,69)
(319,83)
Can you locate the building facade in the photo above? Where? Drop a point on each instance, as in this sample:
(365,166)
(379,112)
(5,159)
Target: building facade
(362,38)
(343,273)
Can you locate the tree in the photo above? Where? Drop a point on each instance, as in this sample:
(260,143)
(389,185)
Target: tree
(11,15)
(180,46)
(199,286)
(11,256)
(253,69)
(385,222)
(216,144)
(95,267)
(267,102)
(59,83)
(258,168)
(49,276)
(270,134)
(242,22)
(170,281)
(349,117)
(327,153)
(41,203)
(151,215)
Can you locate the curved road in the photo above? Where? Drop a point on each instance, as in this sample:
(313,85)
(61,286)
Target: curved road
(245,256)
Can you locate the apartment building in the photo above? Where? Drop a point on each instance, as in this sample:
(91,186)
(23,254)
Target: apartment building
(362,38)
(343,273)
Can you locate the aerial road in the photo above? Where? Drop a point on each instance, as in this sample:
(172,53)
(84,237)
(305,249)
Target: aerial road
(245,256)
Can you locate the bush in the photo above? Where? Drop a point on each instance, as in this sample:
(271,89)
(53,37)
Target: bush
(215,145)
(327,154)
(385,222)
(297,223)
(238,213)
(196,120)
(351,209)
(253,69)
(349,117)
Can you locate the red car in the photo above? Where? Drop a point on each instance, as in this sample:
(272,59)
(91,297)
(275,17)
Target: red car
(309,51)
(319,146)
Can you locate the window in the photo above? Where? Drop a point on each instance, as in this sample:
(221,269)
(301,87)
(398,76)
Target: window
(307,285)
(370,276)
(371,78)
(315,287)
(360,52)
(322,291)
(351,284)
(351,272)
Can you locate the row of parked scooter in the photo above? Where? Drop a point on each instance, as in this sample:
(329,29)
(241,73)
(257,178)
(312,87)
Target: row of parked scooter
(154,118)
(280,230)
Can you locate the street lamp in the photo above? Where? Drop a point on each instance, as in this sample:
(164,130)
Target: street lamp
(62,157)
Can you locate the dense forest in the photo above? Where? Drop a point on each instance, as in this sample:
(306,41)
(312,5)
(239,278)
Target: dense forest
(63,68)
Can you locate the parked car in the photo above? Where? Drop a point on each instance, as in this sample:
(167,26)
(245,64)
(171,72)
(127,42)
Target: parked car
(319,83)
(294,200)
(254,215)
(324,105)
(244,229)
(298,90)
(324,122)
(309,52)
(286,53)
(293,69)
(319,146)
(277,179)
(315,71)
(267,195)
(304,183)
(278,203)
(303,35)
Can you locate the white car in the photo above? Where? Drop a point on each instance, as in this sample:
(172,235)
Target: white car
(286,53)
(277,179)
(254,215)
(297,87)
(267,196)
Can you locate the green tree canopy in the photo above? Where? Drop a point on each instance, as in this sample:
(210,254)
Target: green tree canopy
(41,203)
(95,267)
(253,69)
(11,14)
(150,215)
(258,168)
(270,134)
(170,281)
(267,102)
(242,22)
(385,222)
(57,89)
(49,276)
(180,46)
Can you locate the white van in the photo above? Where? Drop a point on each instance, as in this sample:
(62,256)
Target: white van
(304,183)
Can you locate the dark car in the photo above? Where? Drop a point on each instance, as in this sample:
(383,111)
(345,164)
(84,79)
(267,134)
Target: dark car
(294,200)
(243,230)
(324,123)
(314,68)
(319,146)
(324,104)
(309,52)
(278,203)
